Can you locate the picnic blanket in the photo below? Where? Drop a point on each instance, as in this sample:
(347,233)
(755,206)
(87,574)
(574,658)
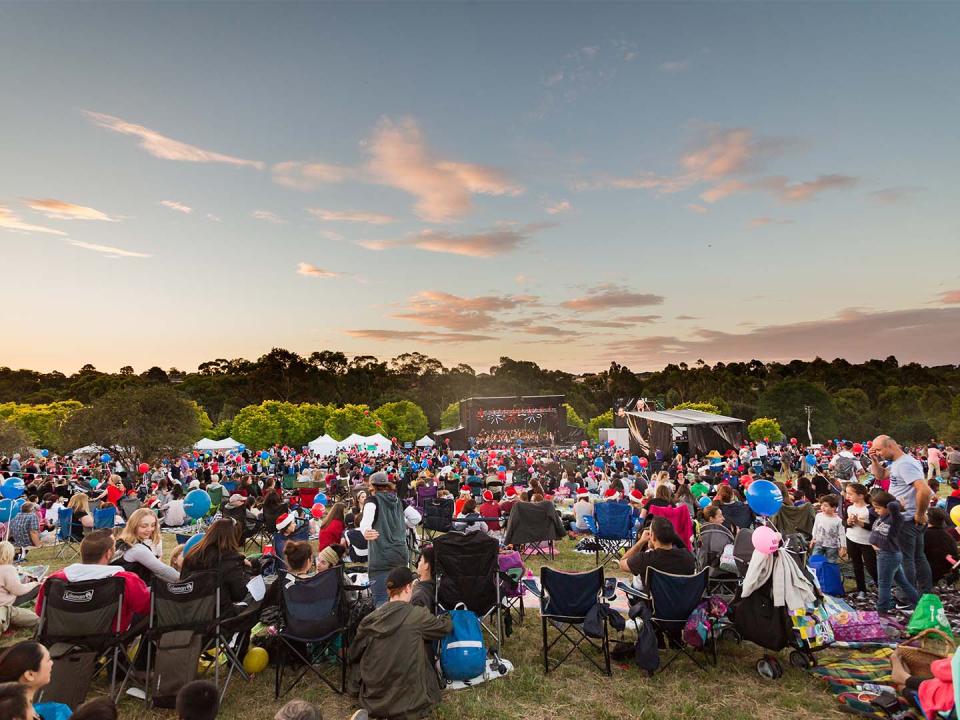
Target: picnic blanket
(846,677)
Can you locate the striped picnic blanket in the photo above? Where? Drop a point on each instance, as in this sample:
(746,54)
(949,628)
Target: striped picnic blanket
(843,677)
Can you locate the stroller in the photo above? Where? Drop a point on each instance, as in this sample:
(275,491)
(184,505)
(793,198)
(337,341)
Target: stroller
(757,619)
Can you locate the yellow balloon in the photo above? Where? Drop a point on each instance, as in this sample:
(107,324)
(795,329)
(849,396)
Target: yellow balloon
(955,514)
(256,660)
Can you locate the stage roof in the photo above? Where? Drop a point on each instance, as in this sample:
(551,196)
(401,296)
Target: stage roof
(684,417)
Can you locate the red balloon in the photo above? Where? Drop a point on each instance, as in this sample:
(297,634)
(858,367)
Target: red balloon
(857,448)
(612,443)
(529,461)
(143,467)
(643,462)
(583,443)
(793,441)
(501,475)
(766,439)
(249,468)
(317,510)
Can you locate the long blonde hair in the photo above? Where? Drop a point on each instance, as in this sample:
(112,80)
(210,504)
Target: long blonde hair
(129,532)
(79,502)
(7,551)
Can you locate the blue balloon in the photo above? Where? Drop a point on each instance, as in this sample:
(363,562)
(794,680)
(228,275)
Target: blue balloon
(264,454)
(320,499)
(191,463)
(443,459)
(598,463)
(9,509)
(635,459)
(764,498)
(811,459)
(367,470)
(13,488)
(197,503)
(501,468)
(241,447)
(192,543)
(704,502)
(45,452)
(105,458)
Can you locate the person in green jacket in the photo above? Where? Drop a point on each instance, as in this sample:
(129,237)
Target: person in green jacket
(391,667)
(382,524)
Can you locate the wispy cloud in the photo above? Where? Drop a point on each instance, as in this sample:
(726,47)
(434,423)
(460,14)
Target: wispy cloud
(642,319)
(267,216)
(309,176)
(698,209)
(608,296)
(803,191)
(764,220)
(351,216)
(108,250)
(213,218)
(441,309)
(163,147)
(177,206)
(400,158)
(9,220)
(687,317)
(424,336)
(950,297)
(480,244)
(558,207)
(305,268)
(61,210)
(894,195)
(673,67)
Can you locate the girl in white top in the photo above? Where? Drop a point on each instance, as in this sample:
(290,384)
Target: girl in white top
(140,543)
(860,517)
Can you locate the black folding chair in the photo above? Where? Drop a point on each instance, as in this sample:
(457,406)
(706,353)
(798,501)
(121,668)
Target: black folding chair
(84,617)
(247,532)
(672,599)
(313,615)
(565,600)
(437,517)
(467,571)
(128,504)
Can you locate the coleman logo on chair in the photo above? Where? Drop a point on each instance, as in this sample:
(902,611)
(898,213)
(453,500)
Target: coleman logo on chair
(78,597)
(180,588)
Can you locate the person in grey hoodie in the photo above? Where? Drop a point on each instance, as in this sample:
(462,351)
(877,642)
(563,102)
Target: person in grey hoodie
(382,524)
(885,538)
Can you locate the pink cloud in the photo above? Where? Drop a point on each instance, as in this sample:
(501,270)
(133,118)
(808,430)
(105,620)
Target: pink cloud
(480,244)
(308,176)
(351,216)
(724,190)
(267,216)
(440,309)
(108,250)
(177,206)
(764,220)
(61,210)
(424,336)
(558,207)
(803,191)
(694,208)
(305,268)
(160,146)
(894,195)
(9,220)
(400,158)
(951,297)
(607,297)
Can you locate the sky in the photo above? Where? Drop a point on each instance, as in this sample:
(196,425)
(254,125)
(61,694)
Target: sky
(567,183)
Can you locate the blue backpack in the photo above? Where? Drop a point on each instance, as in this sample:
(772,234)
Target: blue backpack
(463,654)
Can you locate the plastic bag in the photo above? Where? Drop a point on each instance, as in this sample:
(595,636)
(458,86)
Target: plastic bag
(929,614)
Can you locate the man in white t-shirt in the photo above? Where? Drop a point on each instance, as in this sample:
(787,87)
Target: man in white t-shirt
(909,487)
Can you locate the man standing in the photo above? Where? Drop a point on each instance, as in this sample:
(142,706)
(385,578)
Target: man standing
(382,524)
(909,487)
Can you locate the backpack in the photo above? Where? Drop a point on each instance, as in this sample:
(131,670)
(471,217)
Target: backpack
(758,620)
(844,469)
(463,654)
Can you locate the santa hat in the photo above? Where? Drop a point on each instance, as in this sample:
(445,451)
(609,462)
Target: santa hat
(611,494)
(465,490)
(582,492)
(511,491)
(487,496)
(285,520)
(636,496)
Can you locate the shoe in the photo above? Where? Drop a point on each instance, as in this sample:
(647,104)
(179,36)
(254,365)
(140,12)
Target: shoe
(904,606)
(860,596)
(360,715)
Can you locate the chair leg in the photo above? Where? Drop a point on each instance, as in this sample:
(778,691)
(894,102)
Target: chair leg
(606,646)
(546,662)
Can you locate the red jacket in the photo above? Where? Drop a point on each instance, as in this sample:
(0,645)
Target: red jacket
(490,510)
(332,534)
(136,594)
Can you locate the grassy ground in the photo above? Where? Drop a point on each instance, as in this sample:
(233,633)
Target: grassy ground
(731,691)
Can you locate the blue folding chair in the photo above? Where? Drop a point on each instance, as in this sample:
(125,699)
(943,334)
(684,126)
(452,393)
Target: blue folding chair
(565,601)
(612,525)
(65,539)
(104,518)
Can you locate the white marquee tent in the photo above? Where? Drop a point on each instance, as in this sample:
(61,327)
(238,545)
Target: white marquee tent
(425,441)
(383,443)
(208,444)
(323,445)
(352,440)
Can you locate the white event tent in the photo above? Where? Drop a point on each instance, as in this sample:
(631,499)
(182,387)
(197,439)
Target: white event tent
(425,441)
(208,444)
(323,445)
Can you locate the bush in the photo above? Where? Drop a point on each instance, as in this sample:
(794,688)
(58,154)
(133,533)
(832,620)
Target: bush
(764,427)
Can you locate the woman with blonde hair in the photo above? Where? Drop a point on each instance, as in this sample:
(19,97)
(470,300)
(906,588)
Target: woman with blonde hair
(82,519)
(139,548)
(13,592)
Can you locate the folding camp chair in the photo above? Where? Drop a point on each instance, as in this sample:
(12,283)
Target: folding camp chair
(612,525)
(711,544)
(247,532)
(280,540)
(437,516)
(105,518)
(532,528)
(128,504)
(81,621)
(65,539)
(425,493)
(313,618)
(672,599)
(216,498)
(467,571)
(565,600)
(512,590)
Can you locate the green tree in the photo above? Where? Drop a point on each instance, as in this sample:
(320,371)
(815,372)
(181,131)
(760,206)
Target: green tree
(403,420)
(764,427)
(786,401)
(271,423)
(701,406)
(203,420)
(136,423)
(350,419)
(574,419)
(855,417)
(12,439)
(450,418)
(604,420)
(41,423)
(315,418)
(221,430)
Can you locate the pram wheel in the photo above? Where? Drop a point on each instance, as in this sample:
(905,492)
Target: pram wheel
(729,634)
(801,660)
(769,668)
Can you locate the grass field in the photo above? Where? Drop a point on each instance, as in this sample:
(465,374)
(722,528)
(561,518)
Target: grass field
(731,691)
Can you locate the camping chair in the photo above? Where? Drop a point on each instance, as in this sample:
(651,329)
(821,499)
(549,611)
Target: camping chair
(313,616)
(437,516)
(246,533)
(511,572)
(467,571)
(65,539)
(301,534)
(424,493)
(127,505)
(672,599)
(565,600)
(711,543)
(533,527)
(612,525)
(216,499)
(104,518)
(80,624)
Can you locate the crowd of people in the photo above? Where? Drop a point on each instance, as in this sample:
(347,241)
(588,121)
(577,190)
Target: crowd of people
(874,504)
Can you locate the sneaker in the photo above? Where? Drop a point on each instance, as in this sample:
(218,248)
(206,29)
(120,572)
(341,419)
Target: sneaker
(360,715)
(904,605)
(860,596)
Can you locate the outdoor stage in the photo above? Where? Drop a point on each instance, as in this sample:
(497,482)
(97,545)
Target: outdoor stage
(534,420)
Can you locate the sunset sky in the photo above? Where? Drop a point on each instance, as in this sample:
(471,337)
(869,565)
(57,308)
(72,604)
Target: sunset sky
(564,183)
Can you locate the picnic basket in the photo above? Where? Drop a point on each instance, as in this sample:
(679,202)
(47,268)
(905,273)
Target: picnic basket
(925,647)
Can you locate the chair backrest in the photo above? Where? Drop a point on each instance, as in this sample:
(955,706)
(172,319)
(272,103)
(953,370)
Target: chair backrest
(104,518)
(674,597)
(438,513)
(216,496)
(189,603)
(424,493)
(128,504)
(569,595)
(301,534)
(614,521)
(313,608)
(74,611)
(64,524)
(466,566)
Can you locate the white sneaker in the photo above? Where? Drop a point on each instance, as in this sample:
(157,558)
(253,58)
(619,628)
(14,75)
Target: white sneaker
(360,715)
(861,595)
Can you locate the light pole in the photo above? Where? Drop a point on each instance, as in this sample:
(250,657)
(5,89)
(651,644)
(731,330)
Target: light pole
(809,410)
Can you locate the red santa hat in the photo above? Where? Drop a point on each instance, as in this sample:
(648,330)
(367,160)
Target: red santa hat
(511,491)
(285,520)
(465,490)
(635,496)
(487,496)
(611,494)
(582,492)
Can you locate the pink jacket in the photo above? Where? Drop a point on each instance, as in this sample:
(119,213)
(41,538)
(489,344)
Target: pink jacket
(679,517)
